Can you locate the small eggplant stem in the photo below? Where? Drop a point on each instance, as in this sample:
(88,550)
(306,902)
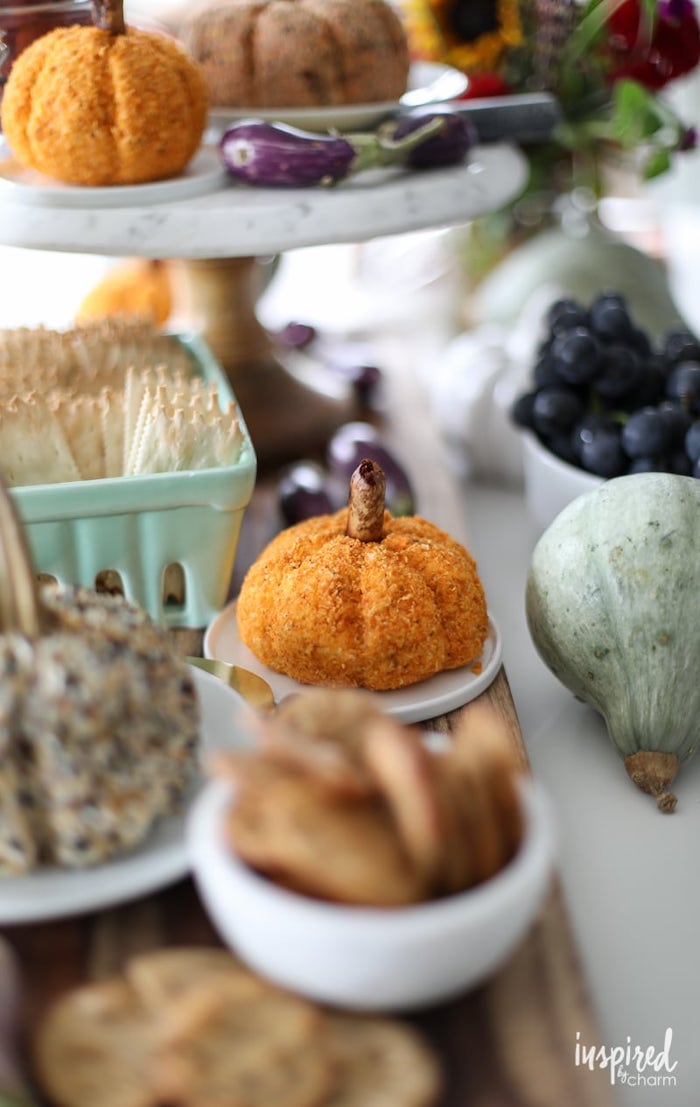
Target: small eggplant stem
(108,15)
(366,502)
(653,772)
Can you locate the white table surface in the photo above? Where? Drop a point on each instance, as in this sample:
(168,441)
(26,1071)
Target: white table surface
(630,874)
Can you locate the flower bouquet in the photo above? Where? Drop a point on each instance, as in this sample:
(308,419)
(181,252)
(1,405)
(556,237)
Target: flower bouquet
(606,61)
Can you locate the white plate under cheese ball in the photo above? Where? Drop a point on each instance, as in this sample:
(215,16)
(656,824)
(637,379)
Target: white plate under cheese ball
(425,700)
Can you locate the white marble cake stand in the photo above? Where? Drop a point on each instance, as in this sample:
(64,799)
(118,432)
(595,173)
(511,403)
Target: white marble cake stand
(217,230)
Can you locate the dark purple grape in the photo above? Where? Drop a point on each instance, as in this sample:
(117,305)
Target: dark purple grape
(640,341)
(584,430)
(545,372)
(366,380)
(648,465)
(354,441)
(684,384)
(565,314)
(650,390)
(680,345)
(679,462)
(303,491)
(622,372)
(607,397)
(560,444)
(555,409)
(602,453)
(577,355)
(678,421)
(646,434)
(296,336)
(521,411)
(609,317)
(692,441)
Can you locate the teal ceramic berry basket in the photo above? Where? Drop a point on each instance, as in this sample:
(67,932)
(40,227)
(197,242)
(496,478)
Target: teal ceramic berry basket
(167,541)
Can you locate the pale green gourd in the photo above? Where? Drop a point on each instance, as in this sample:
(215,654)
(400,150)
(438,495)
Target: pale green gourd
(613,608)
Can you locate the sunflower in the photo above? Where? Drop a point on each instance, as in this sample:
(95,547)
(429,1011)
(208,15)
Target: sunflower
(468,34)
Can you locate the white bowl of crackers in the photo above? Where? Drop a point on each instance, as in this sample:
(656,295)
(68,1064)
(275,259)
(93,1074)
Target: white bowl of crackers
(367,864)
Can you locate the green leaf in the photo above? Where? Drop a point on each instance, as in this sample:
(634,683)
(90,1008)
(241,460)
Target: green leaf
(657,163)
(635,113)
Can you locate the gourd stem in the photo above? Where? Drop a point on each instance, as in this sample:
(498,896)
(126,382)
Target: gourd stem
(653,772)
(108,15)
(366,502)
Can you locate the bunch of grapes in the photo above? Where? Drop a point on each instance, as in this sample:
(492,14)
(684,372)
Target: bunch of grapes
(607,398)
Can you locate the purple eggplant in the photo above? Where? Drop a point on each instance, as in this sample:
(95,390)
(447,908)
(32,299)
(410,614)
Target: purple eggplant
(448,146)
(262,153)
(276,155)
(354,441)
(303,491)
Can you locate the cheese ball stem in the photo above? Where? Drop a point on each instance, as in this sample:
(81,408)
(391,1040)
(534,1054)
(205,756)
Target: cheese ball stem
(366,502)
(109,16)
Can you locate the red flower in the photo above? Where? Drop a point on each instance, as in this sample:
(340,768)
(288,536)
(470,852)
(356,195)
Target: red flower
(485,84)
(674,48)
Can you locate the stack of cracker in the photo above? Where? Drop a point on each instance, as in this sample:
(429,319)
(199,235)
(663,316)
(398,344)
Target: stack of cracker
(106,399)
(340,802)
(192,1027)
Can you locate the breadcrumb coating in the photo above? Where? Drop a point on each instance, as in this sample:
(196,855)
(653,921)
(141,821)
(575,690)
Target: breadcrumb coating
(90,108)
(328,609)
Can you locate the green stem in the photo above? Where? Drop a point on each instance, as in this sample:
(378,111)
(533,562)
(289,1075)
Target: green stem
(380,149)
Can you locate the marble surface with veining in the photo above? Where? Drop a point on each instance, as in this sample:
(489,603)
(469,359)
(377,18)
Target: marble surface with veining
(233,220)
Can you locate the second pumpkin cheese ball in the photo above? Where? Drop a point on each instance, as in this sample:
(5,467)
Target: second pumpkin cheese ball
(97,106)
(362,599)
(298,53)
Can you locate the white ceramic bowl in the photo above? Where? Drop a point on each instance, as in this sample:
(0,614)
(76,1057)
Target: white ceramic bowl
(550,483)
(369,958)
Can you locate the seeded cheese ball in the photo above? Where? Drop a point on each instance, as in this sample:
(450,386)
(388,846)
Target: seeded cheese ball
(298,53)
(327,607)
(99,732)
(88,107)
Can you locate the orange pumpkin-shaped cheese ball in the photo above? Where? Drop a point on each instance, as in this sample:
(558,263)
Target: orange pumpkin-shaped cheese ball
(362,599)
(104,105)
(298,53)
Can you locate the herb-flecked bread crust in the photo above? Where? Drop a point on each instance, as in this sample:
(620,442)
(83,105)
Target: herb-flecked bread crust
(298,53)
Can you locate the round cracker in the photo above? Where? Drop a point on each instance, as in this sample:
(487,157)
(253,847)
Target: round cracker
(345,852)
(94,1048)
(244,1042)
(404,770)
(382,1063)
(162,976)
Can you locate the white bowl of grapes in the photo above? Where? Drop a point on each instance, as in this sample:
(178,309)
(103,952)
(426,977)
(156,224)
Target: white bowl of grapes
(605,398)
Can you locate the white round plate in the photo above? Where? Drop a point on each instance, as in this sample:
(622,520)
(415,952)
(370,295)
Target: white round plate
(205,173)
(162,859)
(428,83)
(416,703)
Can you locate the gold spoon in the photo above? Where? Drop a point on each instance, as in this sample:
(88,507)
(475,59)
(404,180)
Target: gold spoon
(253,688)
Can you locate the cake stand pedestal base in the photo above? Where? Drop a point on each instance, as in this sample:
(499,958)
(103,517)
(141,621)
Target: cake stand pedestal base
(287,417)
